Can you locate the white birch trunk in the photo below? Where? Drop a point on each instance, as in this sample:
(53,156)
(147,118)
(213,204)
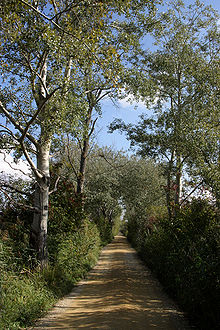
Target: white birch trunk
(41,201)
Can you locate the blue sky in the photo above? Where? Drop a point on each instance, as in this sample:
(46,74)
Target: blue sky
(125,110)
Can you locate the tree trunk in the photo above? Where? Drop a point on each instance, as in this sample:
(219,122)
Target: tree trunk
(178,190)
(41,200)
(84,154)
(82,170)
(168,188)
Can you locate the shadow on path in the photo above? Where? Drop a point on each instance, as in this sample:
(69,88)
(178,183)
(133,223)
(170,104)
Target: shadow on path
(119,293)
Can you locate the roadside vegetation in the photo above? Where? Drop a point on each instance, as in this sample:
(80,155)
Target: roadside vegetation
(184,255)
(74,242)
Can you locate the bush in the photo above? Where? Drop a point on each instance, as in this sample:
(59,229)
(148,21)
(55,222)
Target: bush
(15,229)
(23,298)
(27,294)
(105,230)
(77,253)
(184,254)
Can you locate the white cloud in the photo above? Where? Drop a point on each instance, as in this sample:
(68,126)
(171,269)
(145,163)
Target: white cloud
(129,101)
(9,167)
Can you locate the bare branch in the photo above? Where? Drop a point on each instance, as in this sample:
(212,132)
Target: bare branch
(16,124)
(93,127)
(185,199)
(55,7)
(110,163)
(19,108)
(8,131)
(69,158)
(79,143)
(31,121)
(34,209)
(38,12)
(55,185)
(13,168)
(7,185)
(31,163)
(103,95)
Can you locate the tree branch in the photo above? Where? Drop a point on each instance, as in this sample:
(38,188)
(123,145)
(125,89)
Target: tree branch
(9,164)
(7,185)
(8,131)
(55,185)
(17,124)
(31,121)
(69,158)
(34,209)
(93,127)
(31,163)
(185,199)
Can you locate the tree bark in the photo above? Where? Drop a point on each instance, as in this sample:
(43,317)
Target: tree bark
(84,154)
(168,188)
(178,190)
(41,201)
(82,170)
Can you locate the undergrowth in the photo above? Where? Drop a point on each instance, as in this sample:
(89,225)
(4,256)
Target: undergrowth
(26,294)
(184,254)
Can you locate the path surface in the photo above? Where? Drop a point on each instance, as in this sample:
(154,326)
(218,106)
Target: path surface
(119,293)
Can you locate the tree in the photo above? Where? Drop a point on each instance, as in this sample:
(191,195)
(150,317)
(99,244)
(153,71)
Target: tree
(40,43)
(104,78)
(171,79)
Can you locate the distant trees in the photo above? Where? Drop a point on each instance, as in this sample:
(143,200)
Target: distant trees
(114,182)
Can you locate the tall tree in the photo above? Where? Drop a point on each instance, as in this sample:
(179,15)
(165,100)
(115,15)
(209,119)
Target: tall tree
(104,78)
(40,44)
(171,78)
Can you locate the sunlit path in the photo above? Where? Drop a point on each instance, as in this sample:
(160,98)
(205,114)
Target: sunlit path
(120,293)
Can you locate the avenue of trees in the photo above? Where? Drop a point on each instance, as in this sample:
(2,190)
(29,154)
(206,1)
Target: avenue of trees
(59,60)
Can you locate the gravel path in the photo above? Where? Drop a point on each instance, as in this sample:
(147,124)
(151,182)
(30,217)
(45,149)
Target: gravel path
(119,293)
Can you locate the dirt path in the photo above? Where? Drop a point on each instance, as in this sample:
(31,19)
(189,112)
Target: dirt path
(120,293)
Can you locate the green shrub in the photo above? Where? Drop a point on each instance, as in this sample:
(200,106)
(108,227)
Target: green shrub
(105,229)
(15,228)
(184,254)
(7,258)
(78,252)
(26,295)
(116,225)
(23,298)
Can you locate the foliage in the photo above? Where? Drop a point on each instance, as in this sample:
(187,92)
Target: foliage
(102,184)
(27,294)
(184,254)
(116,226)
(105,229)
(179,83)
(15,226)
(77,252)
(141,184)
(65,214)
(101,193)
(23,298)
